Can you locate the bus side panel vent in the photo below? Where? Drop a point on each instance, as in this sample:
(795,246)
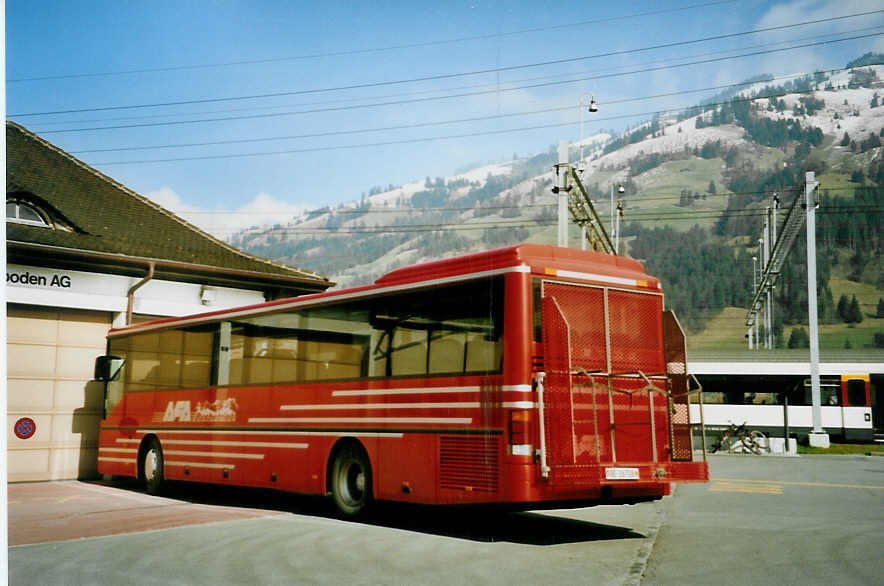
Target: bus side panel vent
(470,463)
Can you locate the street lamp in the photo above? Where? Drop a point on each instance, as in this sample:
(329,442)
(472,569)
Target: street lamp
(591,107)
(754,282)
(620,190)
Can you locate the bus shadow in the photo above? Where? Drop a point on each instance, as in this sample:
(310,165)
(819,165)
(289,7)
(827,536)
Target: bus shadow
(489,526)
(485,525)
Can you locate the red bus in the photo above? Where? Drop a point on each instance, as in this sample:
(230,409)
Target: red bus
(531,376)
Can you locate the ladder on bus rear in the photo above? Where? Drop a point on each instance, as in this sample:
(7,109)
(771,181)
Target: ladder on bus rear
(598,425)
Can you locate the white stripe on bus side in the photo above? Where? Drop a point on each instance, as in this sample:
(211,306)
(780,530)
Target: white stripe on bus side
(297,446)
(199,465)
(122,460)
(271,432)
(214,454)
(425,390)
(326,407)
(449,420)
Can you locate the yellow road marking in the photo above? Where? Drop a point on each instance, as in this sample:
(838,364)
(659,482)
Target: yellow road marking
(738,486)
(797,483)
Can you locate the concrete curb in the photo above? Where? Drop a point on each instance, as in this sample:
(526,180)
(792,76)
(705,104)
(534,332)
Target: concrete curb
(643,555)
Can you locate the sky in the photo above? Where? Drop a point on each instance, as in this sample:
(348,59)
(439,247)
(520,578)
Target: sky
(236,113)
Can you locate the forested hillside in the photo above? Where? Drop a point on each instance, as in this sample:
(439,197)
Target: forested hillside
(696,188)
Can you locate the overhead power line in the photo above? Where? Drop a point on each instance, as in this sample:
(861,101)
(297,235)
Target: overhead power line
(492,87)
(435,138)
(458,74)
(438,122)
(399,102)
(650,216)
(351,52)
(639,198)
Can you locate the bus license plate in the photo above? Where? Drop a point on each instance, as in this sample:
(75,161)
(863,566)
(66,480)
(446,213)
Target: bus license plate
(621,473)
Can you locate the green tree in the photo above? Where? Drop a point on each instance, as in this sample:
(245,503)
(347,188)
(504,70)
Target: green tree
(855,313)
(880,312)
(711,188)
(799,338)
(842,307)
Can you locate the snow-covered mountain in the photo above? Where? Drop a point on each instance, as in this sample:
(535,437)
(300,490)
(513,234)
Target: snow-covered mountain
(508,202)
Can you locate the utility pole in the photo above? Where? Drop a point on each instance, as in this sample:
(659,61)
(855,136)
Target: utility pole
(768,320)
(818,437)
(562,191)
(773,240)
(751,334)
(590,107)
(772,258)
(761,266)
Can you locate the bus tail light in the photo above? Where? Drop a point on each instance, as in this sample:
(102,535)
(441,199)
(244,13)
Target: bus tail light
(520,433)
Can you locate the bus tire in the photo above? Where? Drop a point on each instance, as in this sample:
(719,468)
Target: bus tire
(351,480)
(151,466)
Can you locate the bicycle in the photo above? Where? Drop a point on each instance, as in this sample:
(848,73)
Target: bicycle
(738,435)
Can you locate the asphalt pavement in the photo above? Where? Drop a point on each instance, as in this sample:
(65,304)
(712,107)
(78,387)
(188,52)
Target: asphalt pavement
(761,520)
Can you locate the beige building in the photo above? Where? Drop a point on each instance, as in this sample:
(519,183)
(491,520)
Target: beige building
(85,254)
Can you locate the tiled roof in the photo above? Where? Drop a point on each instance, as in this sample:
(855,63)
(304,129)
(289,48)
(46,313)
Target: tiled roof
(107,217)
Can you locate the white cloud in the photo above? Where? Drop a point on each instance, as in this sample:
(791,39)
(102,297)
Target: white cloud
(807,59)
(262,210)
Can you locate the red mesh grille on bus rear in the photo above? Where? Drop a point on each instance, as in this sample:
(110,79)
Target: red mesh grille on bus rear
(595,414)
(585,311)
(677,370)
(558,408)
(636,332)
(469,462)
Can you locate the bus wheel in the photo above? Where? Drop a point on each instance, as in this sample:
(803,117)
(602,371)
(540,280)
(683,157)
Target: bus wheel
(351,481)
(152,466)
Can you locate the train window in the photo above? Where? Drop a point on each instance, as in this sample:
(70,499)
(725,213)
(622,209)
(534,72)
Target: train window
(856,392)
(830,392)
(713,397)
(762,398)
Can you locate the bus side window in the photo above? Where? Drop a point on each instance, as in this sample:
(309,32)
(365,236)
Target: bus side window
(409,352)
(446,352)
(113,392)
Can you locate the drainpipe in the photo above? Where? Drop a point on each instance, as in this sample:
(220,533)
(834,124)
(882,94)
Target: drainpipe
(131,294)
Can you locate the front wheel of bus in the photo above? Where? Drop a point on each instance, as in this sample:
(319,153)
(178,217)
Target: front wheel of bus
(351,481)
(152,466)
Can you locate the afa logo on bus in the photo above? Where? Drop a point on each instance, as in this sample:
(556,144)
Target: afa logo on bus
(217,410)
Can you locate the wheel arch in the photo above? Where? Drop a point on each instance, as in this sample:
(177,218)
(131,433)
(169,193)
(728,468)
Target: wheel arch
(142,450)
(336,448)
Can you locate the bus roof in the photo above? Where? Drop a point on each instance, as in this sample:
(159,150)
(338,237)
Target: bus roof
(544,260)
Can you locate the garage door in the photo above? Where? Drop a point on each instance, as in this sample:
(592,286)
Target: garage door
(53,406)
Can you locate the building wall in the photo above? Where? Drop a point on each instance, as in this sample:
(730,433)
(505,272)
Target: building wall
(56,327)
(50,357)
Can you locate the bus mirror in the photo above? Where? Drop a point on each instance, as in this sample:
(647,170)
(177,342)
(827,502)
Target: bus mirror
(107,367)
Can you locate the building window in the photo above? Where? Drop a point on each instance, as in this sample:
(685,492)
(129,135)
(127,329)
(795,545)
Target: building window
(23,213)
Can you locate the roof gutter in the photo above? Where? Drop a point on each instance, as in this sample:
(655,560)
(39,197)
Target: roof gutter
(130,295)
(165,268)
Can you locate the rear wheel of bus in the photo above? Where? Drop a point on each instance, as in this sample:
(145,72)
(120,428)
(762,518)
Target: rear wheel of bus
(351,480)
(150,466)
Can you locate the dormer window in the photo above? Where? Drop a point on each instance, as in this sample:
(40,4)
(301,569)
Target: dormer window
(24,213)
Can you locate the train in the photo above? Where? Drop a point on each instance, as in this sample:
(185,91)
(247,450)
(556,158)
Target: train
(775,398)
